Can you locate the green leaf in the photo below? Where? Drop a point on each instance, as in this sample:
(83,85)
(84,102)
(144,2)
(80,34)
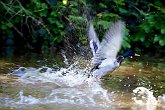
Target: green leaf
(36,1)
(59,24)
(73,3)
(52,20)
(156,38)
(62,33)
(105,24)
(145,27)
(102,5)
(3,27)
(44,6)
(123,10)
(126,45)
(142,39)
(119,2)
(147,44)
(17,19)
(74,10)
(139,36)
(113,15)
(126,32)
(54,14)
(162,30)
(43,13)
(161,43)
(57,39)
(9,25)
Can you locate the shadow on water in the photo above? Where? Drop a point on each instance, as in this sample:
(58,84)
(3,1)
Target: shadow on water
(54,82)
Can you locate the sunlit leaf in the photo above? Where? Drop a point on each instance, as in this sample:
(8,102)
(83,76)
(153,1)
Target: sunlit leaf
(162,30)
(156,38)
(142,39)
(161,42)
(64,2)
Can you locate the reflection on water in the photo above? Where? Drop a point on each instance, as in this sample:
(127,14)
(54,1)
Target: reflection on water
(42,84)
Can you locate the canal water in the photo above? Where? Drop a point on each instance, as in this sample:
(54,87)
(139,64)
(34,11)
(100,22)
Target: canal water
(55,82)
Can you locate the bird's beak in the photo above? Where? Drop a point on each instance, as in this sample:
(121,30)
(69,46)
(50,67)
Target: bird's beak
(137,55)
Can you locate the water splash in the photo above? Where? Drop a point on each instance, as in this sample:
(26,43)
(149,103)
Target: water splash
(22,99)
(64,56)
(73,86)
(161,101)
(71,76)
(144,95)
(145,98)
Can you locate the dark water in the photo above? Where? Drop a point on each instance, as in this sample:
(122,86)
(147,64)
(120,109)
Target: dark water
(40,85)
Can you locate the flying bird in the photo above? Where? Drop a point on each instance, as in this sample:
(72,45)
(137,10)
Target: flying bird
(105,58)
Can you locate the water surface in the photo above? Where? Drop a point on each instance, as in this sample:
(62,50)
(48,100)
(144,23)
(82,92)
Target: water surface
(35,82)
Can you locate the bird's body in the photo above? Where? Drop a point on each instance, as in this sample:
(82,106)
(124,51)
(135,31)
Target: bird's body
(105,52)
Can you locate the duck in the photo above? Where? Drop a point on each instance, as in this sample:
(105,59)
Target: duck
(105,58)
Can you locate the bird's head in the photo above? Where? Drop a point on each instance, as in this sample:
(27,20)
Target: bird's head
(129,53)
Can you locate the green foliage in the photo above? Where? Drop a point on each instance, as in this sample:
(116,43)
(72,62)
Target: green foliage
(144,20)
(77,25)
(36,19)
(48,23)
(152,28)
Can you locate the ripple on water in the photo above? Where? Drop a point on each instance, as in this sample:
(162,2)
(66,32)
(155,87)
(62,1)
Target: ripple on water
(71,88)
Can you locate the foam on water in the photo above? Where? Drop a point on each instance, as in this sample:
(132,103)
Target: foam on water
(74,86)
(145,98)
(71,76)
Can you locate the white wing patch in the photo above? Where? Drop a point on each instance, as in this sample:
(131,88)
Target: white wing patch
(93,39)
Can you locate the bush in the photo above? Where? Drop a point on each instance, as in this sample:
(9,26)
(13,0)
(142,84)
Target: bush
(38,25)
(32,25)
(145,21)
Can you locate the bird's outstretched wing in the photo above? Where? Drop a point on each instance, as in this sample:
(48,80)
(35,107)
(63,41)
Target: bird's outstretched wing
(110,44)
(93,39)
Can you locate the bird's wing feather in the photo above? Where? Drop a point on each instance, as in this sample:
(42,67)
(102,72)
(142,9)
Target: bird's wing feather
(111,43)
(93,39)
